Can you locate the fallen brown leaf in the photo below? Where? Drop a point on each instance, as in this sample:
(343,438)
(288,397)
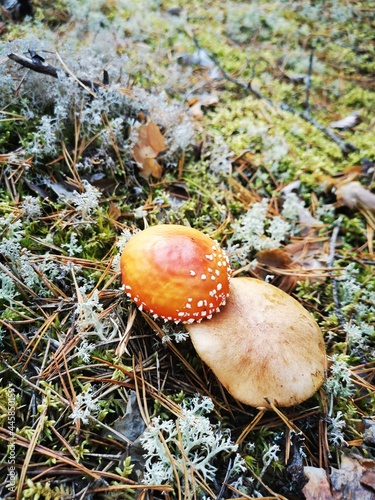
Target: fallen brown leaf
(354,195)
(369,434)
(149,144)
(196,103)
(318,484)
(291,264)
(349,121)
(275,262)
(113,211)
(355,479)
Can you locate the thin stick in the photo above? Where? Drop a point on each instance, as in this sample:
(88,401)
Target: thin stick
(308,82)
(335,291)
(346,147)
(46,69)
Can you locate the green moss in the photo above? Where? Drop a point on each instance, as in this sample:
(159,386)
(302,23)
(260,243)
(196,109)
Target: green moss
(265,44)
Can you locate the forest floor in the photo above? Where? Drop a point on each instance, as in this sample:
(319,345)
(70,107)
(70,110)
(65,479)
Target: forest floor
(252,122)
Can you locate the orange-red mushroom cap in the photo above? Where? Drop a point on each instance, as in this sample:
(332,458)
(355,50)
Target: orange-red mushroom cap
(176,273)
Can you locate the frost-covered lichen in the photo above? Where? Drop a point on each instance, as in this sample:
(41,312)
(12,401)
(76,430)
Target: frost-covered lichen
(187,446)
(254,231)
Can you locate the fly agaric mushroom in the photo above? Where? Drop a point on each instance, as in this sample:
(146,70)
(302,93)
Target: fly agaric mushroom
(263,344)
(176,273)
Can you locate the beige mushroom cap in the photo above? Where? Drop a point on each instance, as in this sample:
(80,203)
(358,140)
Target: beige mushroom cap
(262,344)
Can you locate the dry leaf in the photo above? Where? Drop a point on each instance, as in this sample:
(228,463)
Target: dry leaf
(272,261)
(369,433)
(275,258)
(354,195)
(113,212)
(349,121)
(197,102)
(318,484)
(297,77)
(195,110)
(149,144)
(291,264)
(308,254)
(174,11)
(201,58)
(355,479)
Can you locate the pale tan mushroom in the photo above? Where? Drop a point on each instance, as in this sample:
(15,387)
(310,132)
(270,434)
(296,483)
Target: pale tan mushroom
(263,344)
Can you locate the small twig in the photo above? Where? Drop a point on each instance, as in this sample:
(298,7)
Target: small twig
(346,147)
(332,248)
(308,83)
(37,64)
(220,495)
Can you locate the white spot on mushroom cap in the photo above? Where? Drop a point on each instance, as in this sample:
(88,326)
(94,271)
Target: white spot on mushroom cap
(210,255)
